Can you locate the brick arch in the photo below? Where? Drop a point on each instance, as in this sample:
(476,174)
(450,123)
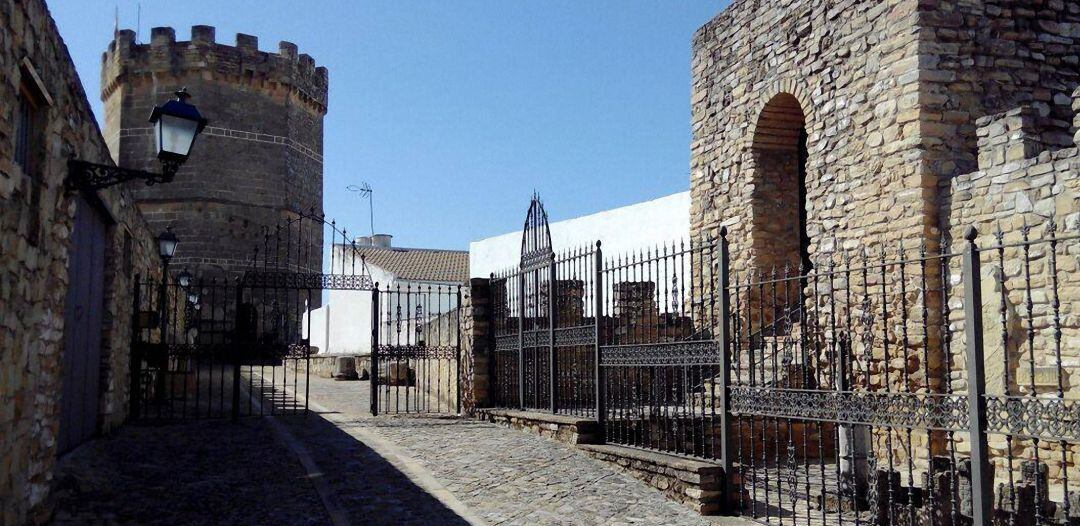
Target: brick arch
(778,153)
(779,123)
(782,88)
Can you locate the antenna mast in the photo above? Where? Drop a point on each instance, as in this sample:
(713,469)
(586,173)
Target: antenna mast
(366,192)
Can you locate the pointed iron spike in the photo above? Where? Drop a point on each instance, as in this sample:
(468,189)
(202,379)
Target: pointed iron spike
(1051,227)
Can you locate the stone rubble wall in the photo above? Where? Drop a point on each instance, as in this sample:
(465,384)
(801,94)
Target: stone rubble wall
(1014,189)
(852,66)
(922,117)
(33,271)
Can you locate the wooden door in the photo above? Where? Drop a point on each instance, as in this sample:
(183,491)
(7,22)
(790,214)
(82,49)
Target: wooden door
(82,328)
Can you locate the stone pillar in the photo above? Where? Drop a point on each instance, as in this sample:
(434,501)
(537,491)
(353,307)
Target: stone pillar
(476,344)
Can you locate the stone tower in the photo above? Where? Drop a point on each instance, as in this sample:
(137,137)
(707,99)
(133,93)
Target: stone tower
(257,163)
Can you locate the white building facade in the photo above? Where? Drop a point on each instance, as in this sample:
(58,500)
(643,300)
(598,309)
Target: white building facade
(417,287)
(624,229)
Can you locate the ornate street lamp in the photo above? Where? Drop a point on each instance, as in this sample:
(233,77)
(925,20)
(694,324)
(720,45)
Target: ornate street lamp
(184,278)
(167,242)
(176,125)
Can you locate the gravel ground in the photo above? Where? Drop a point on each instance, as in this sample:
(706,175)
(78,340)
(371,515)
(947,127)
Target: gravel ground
(192,473)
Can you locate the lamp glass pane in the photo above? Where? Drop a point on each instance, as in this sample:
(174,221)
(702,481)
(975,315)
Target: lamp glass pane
(175,135)
(166,247)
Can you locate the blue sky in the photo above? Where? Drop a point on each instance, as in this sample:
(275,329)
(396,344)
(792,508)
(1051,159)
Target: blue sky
(455,111)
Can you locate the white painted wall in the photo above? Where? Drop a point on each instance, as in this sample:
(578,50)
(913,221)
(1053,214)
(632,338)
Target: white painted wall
(621,229)
(348,330)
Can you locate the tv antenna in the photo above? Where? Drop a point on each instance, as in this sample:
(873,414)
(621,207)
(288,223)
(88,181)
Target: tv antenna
(365,192)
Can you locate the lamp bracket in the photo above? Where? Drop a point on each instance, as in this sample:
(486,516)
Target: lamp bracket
(92,176)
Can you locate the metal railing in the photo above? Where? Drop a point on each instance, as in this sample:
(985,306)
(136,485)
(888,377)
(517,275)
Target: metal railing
(898,385)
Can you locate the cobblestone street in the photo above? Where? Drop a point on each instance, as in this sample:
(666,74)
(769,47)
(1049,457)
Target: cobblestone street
(501,475)
(339,465)
(192,473)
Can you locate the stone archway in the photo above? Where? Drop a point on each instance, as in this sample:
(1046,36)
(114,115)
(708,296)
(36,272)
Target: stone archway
(778,199)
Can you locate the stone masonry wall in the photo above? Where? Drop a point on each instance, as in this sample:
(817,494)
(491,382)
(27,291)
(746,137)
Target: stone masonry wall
(258,162)
(890,93)
(1020,187)
(851,67)
(33,261)
(902,101)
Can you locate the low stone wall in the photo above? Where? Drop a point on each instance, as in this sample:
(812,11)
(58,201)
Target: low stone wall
(694,483)
(324,366)
(568,429)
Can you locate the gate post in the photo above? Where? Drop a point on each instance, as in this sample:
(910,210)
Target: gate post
(552,384)
(521,339)
(374,356)
(723,334)
(457,351)
(237,351)
(981,471)
(598,314)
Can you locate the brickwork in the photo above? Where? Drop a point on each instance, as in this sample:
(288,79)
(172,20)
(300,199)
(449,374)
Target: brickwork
(36,221)
(258,162)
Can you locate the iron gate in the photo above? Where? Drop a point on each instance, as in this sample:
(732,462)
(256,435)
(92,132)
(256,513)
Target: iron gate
(229,348)
(903,385)
(544,317)
(416,349)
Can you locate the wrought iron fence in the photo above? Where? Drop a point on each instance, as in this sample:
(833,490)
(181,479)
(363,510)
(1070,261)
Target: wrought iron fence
(201,351)
(893,385)
(658,355)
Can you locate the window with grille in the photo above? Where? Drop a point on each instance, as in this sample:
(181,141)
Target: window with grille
(24,119)
(30,107)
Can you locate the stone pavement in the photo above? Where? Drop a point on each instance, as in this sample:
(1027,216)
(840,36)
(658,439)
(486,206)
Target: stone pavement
(193,473)
(339,465)
(500,475)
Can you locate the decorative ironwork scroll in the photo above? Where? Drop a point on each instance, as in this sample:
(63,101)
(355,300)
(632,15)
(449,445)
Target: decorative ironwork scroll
(535,338)
(1025,416)
(573,336)
(944,412)
(536,249)
(306,280)
(675,353)
(506,343)
(416,352)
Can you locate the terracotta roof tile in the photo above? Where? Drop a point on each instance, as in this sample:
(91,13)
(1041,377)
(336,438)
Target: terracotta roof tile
(420,264)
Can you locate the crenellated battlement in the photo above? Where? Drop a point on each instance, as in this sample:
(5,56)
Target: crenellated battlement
(242,63)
